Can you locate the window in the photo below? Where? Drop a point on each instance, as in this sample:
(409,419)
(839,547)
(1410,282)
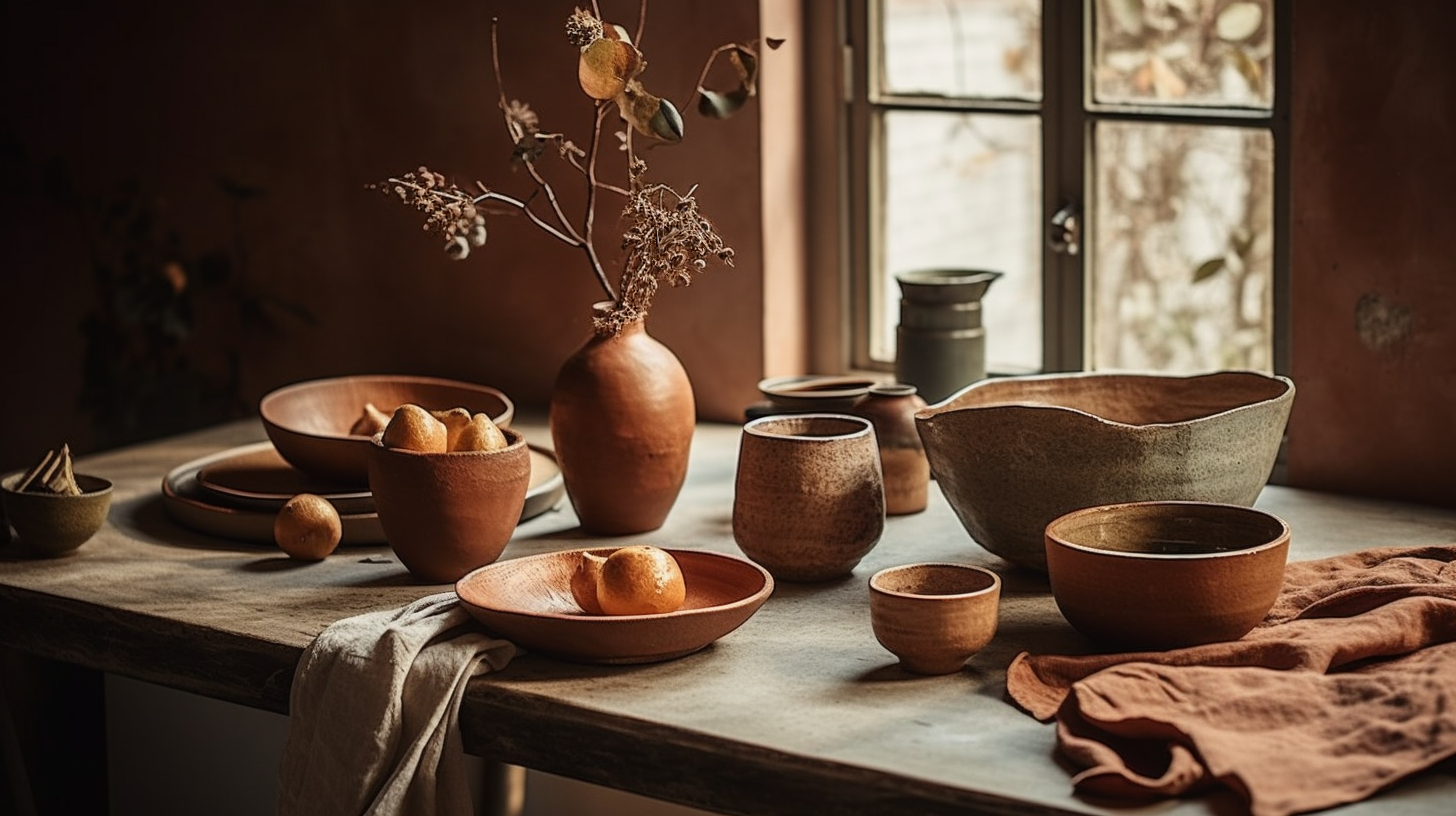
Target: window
(1117,160)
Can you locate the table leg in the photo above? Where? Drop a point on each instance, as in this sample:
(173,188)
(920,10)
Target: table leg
(52,736)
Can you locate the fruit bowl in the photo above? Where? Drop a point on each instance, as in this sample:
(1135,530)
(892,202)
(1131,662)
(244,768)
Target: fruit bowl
(1011,454)
(308,422)
(529,602)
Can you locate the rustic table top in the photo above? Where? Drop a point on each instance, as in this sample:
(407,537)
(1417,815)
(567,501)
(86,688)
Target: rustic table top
(800,710)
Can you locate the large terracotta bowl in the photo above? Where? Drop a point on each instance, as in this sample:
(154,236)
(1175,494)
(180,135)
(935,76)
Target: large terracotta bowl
(1159,575)
(529,602)
(309,422)
(1014,453)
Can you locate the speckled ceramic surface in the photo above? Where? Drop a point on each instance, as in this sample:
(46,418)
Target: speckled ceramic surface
(445,514)
(48,524)
(1014,453)
(1159,575)
(934,617)
(309,421)
(809,497)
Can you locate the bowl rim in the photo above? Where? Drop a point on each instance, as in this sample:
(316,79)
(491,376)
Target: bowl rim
(103,487)
(269,399)
(835,386)
(514,439)
(994,586)
(755,427)
(944,406)
(756,597)
(1282,539)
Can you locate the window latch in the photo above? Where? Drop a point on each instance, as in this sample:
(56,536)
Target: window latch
(1064,231)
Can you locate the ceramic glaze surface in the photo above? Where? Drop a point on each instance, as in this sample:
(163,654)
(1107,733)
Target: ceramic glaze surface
(622,419)
(934,617)
(1013,454)
(445,514)
(809,498)
(309,421)
(49,524)
(1159,575)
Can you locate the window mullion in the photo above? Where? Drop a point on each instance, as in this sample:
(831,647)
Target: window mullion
(1064,162)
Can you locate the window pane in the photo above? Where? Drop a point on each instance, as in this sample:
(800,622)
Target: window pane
(964,191)
(989,49)
(1182,260)
(1184,52)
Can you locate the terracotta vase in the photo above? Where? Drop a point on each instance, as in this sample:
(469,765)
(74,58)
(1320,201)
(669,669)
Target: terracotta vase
(891,408)
(622,419)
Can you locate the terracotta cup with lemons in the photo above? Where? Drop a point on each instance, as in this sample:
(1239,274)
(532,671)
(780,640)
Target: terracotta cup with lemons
(446,513)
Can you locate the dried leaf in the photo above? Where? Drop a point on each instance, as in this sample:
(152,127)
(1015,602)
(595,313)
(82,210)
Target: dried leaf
(773,43)
(1248,68)
(716,105)
(607,66)
(722,104)
(651,116)
(1208,269)
(1239,21)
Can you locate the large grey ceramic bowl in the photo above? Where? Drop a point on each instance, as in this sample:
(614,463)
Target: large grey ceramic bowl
(1012,454)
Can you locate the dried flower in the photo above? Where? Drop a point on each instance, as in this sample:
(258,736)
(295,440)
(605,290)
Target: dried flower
(665,238)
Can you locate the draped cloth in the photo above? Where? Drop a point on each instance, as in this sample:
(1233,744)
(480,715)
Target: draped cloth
(1347,686)
(374,710)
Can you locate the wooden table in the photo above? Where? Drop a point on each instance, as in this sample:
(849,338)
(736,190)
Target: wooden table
(798,711)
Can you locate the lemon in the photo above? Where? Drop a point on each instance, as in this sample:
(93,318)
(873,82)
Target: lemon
(480,434)
(414,428)
(308,527)
(640,580)
(584,582)
(455,420)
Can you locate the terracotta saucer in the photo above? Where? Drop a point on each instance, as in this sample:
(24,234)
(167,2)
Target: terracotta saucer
(528,601)
(257,477)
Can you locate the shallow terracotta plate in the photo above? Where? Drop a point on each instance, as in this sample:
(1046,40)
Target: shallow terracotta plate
(257,477)
(528,601)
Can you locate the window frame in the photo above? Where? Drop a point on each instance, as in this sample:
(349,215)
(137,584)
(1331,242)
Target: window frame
(1068,115)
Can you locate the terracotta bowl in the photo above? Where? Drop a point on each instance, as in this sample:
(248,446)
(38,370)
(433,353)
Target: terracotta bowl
(815,392)
(309,421)
(1012,454)
(528,601)
(445,514)
(1160,575)
(49,524)
(934,617)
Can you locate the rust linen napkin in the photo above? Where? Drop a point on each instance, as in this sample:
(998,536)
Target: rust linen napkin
(373,713)
(1348,685)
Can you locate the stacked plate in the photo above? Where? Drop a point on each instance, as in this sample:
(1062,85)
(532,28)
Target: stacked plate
(237,493)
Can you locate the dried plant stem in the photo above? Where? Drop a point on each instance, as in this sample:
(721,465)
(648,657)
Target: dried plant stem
(576,239)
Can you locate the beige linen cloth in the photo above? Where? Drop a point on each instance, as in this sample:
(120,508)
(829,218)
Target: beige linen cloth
(374,709)
(1347,686)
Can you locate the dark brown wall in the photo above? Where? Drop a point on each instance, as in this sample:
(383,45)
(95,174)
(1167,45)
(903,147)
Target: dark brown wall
(307,102)
(1374,249)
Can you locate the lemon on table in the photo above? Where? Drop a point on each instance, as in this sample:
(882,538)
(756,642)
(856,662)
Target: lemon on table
(308,527)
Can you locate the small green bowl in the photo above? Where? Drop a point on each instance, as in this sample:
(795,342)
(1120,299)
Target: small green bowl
(49,524)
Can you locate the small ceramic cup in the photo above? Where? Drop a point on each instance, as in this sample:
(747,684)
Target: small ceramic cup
(809,495)
(444,514)
(50,524)
(934,617)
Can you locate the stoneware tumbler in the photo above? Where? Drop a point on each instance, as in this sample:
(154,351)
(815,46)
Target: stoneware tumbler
(934,617)
(809,497)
